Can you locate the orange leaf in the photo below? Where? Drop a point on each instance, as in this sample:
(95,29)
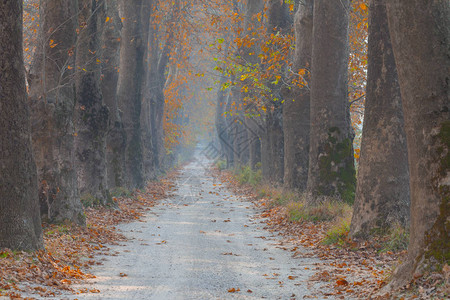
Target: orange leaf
(341,281)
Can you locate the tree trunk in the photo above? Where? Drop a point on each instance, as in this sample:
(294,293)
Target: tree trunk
(52,101)
(129,90)
(331,163)
(272,146)
(20,224)
(382,191)
(148,155)
(220,121)
(296,106)
(254,150)
(272,139)
(420,33)
(91,115)
(251,23)
(116,139)
(158,62)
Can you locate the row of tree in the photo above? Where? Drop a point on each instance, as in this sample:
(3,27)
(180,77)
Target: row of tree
(110,84)
(86,116)
(300,113)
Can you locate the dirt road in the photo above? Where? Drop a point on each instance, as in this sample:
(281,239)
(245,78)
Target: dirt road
(200,243)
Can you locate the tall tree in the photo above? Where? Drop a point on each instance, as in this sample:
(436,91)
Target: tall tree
(129,90)
(52,101)
(157,78)
(91,115)
(331,163)
(272,139)
(254,9)
(420,33)
(116,139)
(20,224)
(296,106)
(382,191)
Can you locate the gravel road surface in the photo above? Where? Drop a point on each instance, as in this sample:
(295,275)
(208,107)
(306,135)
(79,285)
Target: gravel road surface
(199,244)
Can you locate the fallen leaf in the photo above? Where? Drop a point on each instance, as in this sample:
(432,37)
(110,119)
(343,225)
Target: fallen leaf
(341,281)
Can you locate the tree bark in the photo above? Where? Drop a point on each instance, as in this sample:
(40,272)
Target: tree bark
(382,191)
(129,90)
(220,121)
(296,106)
(20,224)
(156,82)
(254,7)
(91,115)
(331,162)
(52,101)
(420,33)
(272,139)
(116,138)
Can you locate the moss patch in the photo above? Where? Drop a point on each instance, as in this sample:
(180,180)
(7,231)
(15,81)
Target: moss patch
(336,167)
(437,241)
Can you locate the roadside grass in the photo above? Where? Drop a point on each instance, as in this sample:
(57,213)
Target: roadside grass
(334,213)
(324,227)
(396,239)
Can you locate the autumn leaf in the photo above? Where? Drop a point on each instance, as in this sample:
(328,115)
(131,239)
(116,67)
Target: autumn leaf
(341,281)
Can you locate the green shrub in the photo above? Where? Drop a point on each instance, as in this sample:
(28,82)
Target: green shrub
(221,164)
(245,175)
(338,233)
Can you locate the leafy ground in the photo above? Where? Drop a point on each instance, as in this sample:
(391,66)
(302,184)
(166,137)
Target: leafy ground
(349,269)
(70,251)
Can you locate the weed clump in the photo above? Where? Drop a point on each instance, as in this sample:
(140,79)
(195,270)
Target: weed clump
(325,211)
(246,175)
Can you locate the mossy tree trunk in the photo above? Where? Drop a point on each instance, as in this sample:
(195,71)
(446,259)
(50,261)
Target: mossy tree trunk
(420,33)
(91,115)
(331,163)
(20,224)
(115,141)
(382,191)
(296,106)
(52,100)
